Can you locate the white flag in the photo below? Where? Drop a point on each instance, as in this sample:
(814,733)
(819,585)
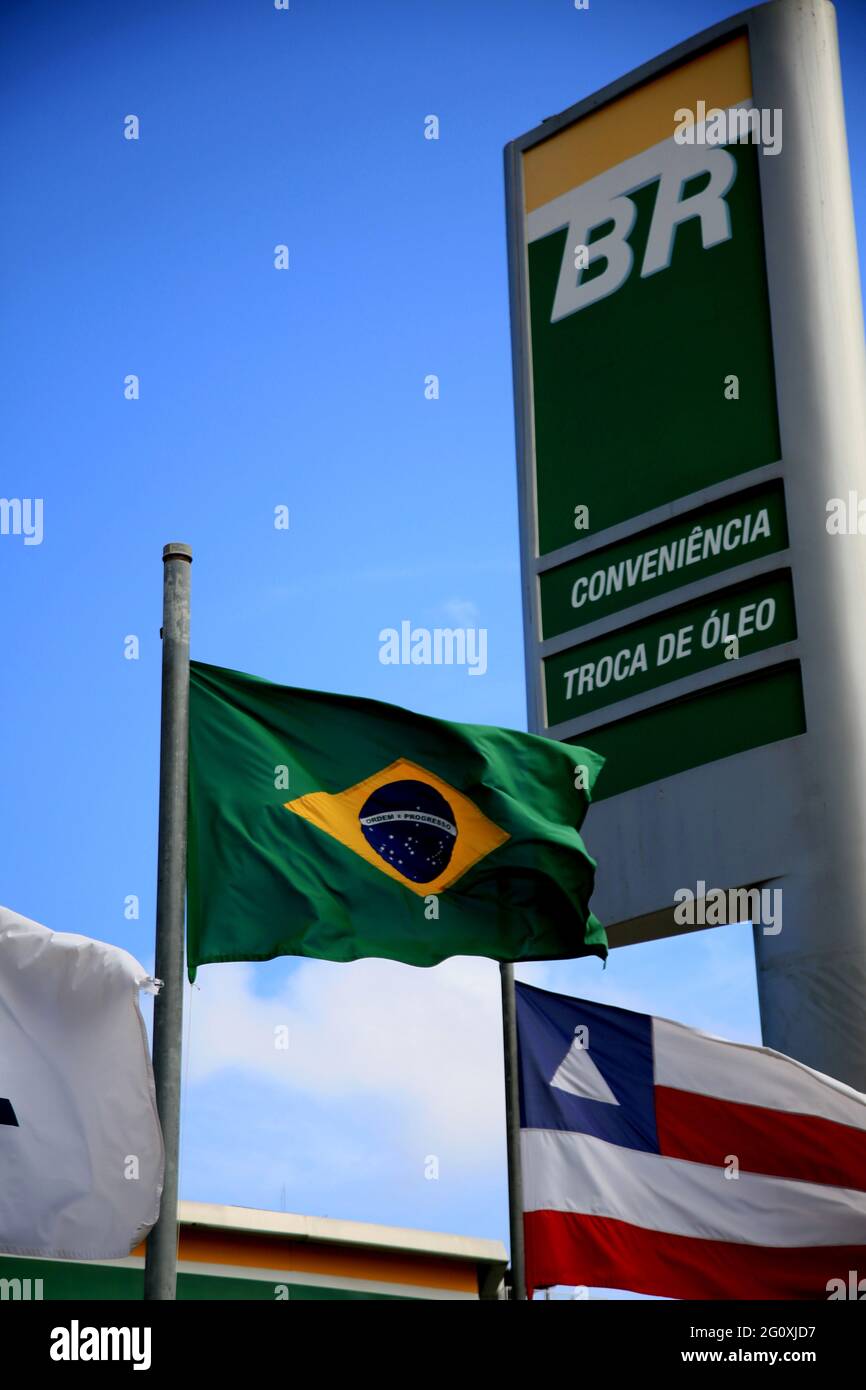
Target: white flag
(81,1153)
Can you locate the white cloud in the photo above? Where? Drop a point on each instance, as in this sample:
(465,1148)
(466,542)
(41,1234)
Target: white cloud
(386,1064)
(428,1042)
(462,612)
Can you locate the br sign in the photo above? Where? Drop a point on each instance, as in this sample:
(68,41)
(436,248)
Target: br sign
(689,366)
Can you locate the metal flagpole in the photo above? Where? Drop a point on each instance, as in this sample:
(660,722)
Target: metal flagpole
(512,1130)
(160,1268)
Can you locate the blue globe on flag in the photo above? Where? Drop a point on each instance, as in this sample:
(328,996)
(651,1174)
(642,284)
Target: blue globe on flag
(411,826)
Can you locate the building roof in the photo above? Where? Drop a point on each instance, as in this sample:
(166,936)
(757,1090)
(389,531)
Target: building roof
(327,1228)
(487,1256)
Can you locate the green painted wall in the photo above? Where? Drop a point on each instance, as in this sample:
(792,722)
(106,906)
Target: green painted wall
(73,1281)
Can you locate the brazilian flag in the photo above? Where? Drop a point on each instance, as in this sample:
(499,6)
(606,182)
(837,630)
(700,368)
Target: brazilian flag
(327,826)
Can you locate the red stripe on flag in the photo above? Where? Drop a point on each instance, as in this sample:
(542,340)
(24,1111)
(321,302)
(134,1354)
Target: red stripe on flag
(569,1248)
(776,1142)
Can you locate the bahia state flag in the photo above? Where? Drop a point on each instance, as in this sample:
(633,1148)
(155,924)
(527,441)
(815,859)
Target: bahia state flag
(665,1161)
(322,825)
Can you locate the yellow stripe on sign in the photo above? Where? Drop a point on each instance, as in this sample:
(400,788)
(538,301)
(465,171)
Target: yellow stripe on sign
(338,815)
(635,122)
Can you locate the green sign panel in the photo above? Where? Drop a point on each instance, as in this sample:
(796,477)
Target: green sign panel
(689,364)
(694,637)
(677,735)
(664,384)
(703,543)
(648,374)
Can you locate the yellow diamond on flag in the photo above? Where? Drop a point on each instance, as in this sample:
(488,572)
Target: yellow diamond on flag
(408,823)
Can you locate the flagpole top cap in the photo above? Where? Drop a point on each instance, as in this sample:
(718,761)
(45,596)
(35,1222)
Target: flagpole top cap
(177,550)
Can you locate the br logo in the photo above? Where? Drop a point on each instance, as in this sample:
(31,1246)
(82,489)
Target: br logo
(692,183)
(411,826)
(7,1114)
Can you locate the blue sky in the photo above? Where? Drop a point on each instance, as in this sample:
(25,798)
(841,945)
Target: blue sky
(303,388)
